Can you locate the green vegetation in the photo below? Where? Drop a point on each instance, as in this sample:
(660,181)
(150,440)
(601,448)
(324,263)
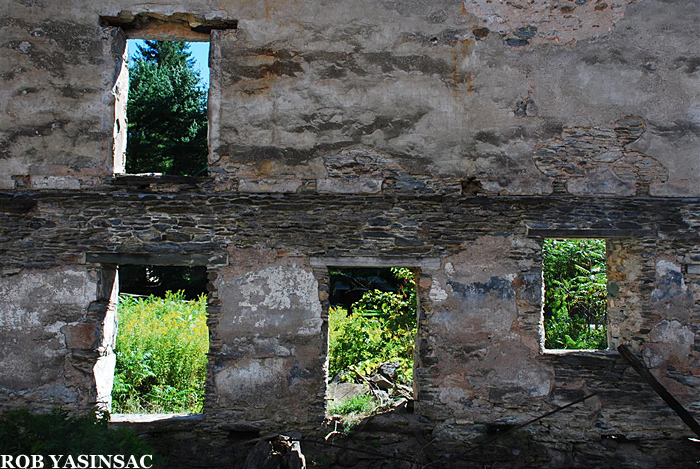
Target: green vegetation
(22,432)
(575,305)
(381,328)
(370,338)
(359,404)
(161,354)
(354,409)
(166,111)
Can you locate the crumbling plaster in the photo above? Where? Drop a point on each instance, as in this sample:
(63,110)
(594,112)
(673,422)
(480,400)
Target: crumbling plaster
(42,321)
(422,84)
(346,133)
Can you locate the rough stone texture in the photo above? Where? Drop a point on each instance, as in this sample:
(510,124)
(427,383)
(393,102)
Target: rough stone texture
(432,135)
(267,347)
(598,162)
(58,76)
(424,85)
(540,21)
(50,330)
(448,102)
(480,362)
(484,319)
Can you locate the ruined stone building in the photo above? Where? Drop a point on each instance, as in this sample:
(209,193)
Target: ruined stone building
(448,136)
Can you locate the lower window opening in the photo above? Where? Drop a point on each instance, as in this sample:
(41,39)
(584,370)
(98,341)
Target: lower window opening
(162,340)
(575,294)
(372,325)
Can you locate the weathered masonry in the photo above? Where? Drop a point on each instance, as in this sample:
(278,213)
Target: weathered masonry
(448,136)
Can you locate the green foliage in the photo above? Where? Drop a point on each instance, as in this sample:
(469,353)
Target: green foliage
(161,354)
(167,53)
(22,432)
(166,111)
(382,327)
(575,305)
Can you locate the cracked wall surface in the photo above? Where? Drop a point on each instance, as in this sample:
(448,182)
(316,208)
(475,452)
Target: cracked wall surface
(53,337)
(449,137)
(479,357)
(268,348)
(448,90)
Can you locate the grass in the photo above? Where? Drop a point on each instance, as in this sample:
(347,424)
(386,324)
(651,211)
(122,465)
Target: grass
(354,409)
(363,403)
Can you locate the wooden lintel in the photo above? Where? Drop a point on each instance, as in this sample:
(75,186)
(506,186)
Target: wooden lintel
(131,258)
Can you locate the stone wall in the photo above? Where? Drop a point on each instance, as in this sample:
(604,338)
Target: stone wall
(267,341)
(450,137)
(480,361)
(57,334)
(597,96)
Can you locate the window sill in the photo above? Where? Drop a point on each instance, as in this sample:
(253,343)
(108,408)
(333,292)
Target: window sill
(582,352)
(149,418)
(145,423)
(154,178)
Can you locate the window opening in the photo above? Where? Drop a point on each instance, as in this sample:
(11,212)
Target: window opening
(372,325)
(575,294)
(167,107)
(162,340)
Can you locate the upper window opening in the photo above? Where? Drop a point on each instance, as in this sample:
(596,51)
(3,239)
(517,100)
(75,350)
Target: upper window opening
(167,107)
(575,294)
(160,105)
(372,324)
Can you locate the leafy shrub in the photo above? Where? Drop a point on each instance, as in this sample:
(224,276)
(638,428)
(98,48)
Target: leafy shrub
(22,432)
(575,305)
(382,327)
(161,354)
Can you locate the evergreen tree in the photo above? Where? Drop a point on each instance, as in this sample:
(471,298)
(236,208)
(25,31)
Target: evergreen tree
(167,112)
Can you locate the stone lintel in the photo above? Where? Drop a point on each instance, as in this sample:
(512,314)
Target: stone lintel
(589,233)
(430,263)
(147,258)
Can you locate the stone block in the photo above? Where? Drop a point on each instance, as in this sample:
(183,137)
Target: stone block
(81,336)
(273,186)
(349,186)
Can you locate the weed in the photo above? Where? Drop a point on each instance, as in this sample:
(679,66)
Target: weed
(354,409)
(161,355)
(381,328)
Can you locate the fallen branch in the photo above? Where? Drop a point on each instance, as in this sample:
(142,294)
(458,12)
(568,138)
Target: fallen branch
(369,383)
(349,448)
(646,375)
(334,432)
(525,424)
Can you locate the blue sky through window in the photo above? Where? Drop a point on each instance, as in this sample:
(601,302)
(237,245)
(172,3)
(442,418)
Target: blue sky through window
(200,54)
